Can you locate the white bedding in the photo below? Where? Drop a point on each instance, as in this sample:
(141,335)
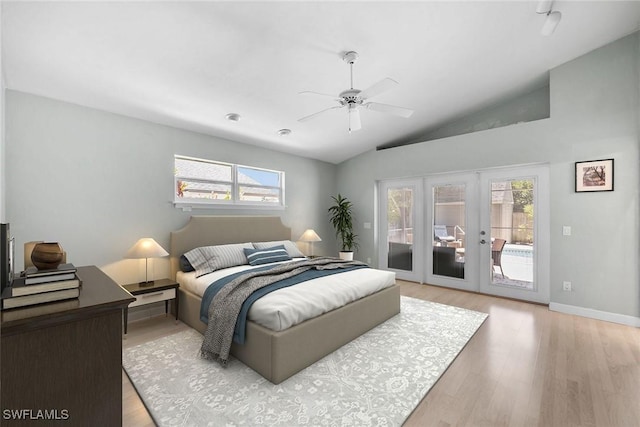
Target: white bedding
(289,306)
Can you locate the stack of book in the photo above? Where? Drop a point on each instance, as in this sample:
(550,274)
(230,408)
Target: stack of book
(40,286)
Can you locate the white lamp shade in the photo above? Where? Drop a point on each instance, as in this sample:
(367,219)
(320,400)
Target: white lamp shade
(310,236)
(146,248)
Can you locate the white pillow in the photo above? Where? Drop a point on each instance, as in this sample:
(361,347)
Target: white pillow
(291,247)
(208,259)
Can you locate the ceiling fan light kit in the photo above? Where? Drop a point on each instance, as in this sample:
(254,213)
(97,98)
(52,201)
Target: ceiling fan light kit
(353,98)
(550,24)
(545,7)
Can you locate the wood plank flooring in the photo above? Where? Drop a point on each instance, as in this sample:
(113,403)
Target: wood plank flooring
(526,366)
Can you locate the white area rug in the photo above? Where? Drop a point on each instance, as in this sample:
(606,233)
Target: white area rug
(375,380)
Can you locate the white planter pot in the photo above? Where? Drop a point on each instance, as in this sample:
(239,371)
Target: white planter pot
(347,256)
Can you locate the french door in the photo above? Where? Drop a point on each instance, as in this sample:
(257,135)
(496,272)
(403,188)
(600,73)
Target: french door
(452,251)
(515,233)
(484,231)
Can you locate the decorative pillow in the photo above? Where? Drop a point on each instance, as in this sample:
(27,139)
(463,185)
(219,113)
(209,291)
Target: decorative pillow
(185,265)
(208,259)
(265,256)
(291,247)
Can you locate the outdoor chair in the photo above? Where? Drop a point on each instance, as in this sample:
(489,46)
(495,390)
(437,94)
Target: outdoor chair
(445,264)
(497,245)
(400,256)
(441,234)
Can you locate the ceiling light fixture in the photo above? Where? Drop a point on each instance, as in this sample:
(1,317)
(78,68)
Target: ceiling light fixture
(553,17)
(284,132)
(233,117)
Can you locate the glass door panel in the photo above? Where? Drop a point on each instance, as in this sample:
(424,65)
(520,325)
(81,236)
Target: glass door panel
(448,246)
(401,244)
(400,228)
(452,249)
(515,213)
(512,232)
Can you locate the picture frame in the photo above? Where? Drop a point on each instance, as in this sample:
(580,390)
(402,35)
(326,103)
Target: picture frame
(594,175)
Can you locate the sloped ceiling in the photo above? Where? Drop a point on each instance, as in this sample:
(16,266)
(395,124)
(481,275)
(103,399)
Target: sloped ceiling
(188,64)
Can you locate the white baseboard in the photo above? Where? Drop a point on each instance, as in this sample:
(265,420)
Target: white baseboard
(145,311)
(596,314)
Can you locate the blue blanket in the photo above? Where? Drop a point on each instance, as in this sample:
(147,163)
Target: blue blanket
(240,328)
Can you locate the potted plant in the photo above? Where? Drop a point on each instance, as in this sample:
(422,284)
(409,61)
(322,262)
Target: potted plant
(341,217)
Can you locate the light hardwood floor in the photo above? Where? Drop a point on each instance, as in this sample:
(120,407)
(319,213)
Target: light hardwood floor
(526,366)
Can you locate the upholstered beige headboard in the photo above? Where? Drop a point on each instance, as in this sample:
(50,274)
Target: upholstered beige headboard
(203,230)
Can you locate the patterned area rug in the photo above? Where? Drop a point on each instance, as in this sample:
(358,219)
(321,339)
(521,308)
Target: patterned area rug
(375,380)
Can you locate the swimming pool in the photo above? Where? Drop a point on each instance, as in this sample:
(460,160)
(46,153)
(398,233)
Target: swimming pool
(511,249)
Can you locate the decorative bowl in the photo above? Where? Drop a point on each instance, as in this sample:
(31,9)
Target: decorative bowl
(47,255)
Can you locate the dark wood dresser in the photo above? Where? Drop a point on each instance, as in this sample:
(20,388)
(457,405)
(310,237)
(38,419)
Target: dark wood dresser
(61,362)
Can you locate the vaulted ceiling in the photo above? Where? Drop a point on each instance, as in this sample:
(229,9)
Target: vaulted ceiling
(188,64)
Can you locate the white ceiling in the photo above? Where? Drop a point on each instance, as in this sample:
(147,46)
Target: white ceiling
(188,64)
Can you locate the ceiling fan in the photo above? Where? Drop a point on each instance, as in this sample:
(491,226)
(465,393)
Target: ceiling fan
(352,98)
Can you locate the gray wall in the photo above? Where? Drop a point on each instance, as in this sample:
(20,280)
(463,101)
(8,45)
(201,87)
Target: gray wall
(526,107)
(531,106)
(594,115)
(96,182)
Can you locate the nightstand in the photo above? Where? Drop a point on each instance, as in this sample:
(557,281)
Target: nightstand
(161,290)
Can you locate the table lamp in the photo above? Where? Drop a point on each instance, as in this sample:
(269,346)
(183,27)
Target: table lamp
(146,248)
(310,236)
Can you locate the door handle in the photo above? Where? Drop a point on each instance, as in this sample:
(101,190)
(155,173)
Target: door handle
(483,242)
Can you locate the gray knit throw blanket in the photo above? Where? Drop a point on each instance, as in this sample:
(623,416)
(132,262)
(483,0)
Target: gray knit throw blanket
(225,306)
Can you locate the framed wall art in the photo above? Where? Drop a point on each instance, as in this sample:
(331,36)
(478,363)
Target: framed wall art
(594,175)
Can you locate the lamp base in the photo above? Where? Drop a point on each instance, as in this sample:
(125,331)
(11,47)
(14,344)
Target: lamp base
(145,284)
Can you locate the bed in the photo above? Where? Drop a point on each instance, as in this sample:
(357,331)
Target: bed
(277,355)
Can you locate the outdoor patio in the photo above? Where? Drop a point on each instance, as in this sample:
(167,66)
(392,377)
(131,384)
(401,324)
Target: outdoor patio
(517,264)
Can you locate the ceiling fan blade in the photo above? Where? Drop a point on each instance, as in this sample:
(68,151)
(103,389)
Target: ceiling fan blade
(311,116)
(354,119)
(382,86)
(306,92)
(390,109)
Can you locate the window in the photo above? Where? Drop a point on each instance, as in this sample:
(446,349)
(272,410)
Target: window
(199,181)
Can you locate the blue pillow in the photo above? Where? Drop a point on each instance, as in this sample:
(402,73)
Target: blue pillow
(265,256)
(185,265)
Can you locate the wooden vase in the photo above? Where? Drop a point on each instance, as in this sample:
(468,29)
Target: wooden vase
(47,255)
